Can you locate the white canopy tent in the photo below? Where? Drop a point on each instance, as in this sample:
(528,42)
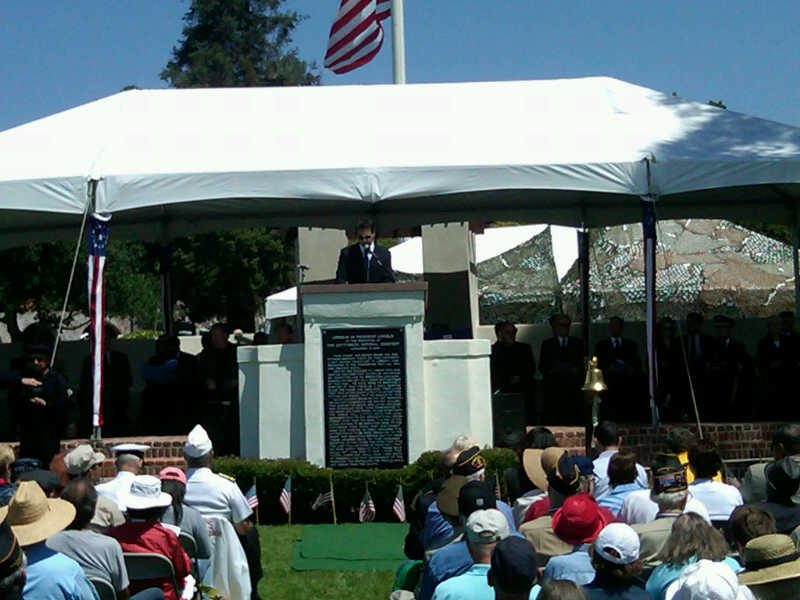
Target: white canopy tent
(169,162)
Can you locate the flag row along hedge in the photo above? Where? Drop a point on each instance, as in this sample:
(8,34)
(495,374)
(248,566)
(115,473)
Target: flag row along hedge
(308,481)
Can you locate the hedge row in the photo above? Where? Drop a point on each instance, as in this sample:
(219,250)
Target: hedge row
(308,481)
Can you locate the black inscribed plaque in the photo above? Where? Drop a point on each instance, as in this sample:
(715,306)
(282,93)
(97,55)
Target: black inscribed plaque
(364,374)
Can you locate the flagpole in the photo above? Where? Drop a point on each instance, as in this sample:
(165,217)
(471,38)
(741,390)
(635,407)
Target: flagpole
(256,489)
(398,43)
(333,498)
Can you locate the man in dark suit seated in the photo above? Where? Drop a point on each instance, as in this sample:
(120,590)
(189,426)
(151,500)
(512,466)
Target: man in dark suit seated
(513,366)
(364,261)
(618,358)
(561,364)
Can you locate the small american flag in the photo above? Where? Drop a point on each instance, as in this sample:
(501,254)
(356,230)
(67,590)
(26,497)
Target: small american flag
(321,500)
(366,511)
(286,496)
(399,506)
(252,496)
(356,34)
(96,264)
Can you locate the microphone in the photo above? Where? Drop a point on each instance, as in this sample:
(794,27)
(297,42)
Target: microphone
(371,256)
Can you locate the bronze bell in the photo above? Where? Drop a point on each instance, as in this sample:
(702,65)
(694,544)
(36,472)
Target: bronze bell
(594,377)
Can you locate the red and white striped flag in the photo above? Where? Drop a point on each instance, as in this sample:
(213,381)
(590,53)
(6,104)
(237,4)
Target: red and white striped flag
(366,510)
(252,496)
(97,243)
(399,506)
(356,35)
(286,496)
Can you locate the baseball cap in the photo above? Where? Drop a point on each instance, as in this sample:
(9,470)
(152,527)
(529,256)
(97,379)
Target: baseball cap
(469,462)
(82,458)
(514,566)
(584,464)
(487,526)
(618,543)
(579,520)
(565,477)
(475,495)
(172,473)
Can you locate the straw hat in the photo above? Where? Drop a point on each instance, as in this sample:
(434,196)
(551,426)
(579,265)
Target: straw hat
(33,516)
(770,557)
(532,465)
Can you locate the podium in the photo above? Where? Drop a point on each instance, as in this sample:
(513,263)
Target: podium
(364,389)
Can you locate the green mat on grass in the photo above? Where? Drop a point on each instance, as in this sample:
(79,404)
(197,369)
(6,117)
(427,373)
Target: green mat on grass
(350,547)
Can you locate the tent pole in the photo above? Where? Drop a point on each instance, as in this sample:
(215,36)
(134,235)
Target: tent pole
(165,274)
(583,258)
(398,43)
(649,235)
(796,259)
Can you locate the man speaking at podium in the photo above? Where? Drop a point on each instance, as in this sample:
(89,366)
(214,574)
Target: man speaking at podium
(365,261)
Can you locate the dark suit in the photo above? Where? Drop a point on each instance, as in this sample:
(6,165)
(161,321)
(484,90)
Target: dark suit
(352,267)
(777,364)
(625,399)
(699,349)
(730,377)
(117,382)
(514,360)
(562,372)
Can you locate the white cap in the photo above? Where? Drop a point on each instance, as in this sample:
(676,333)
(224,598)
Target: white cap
(82,458)
(145,492)
(707,580)
(197,443)
(618,543)
(487,526)
(137,449)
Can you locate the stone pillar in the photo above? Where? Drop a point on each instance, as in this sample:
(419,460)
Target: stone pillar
(318,249)
(448,258)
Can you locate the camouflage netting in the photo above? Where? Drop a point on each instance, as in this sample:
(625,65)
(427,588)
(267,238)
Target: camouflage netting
(712,266)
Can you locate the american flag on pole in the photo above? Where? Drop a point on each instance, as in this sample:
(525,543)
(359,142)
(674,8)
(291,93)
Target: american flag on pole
(97,243)
(356,35)
(252,496)
(321,500)
(366,510)
(399,505)
(285,499)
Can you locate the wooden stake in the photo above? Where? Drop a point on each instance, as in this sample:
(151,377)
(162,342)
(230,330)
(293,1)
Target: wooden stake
(256,489)
(333,498)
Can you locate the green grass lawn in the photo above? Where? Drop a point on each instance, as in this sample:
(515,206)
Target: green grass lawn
(280,582)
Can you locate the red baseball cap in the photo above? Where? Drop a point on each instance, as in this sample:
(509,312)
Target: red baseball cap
(172,473)
(579,520)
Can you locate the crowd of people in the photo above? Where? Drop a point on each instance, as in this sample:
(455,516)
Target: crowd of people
(575,527)
(694,364)
(66,537)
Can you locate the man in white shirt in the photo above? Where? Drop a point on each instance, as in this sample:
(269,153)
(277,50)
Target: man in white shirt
(719,498)
(215,495)
(129,461)
(608,440)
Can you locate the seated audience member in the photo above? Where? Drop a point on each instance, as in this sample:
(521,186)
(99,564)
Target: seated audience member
(719,498)
(691,539)
(49,481)
(514,570)
(83,462)
(438,529)
(6,487)
(561,589)
(99,556)
(639,507)
(608,442)
(418,508)
(670,493)
(23,465)
(622,476)
(173,482)
(483,530)
(747,523)
(785,443)
(678,441)
(783,479)
(708,580)
(772,567)
(615,558)
(578,522)
(563,479)
(12,564)
(146,504)
(527,480)
(540,507)
(129,460)
(454,558)
(49,574)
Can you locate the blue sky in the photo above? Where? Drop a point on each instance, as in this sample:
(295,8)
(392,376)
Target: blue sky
(55,55)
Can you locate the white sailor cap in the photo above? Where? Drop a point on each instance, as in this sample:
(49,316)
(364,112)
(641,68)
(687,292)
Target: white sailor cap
(197,443)
(135,449)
